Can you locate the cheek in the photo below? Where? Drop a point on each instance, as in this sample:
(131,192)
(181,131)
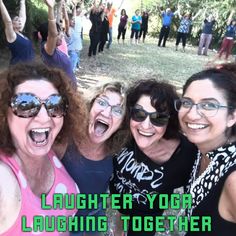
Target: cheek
(116,124)
(161,130)
(58,124)
(16,126)
(133,126)
(92,114)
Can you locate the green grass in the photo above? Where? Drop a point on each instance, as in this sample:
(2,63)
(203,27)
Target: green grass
(128,63)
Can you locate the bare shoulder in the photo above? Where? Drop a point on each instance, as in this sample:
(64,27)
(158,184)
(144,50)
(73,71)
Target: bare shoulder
(230,184)
(228,196)
(9,197)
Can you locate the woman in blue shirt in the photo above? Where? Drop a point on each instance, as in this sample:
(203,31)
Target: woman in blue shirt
(136,22)
(20,46)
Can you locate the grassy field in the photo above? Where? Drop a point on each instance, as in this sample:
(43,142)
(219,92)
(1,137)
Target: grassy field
(128,63)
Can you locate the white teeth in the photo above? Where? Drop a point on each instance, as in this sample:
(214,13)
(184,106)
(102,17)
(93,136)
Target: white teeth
(148,134)
(196,126)
(43,130)
(102,121)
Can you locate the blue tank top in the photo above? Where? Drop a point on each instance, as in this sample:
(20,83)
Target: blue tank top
(59,60)
(21,50)
(91,176)
(230,31)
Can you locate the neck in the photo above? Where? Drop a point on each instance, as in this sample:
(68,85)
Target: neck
(92,151)
(32,165)
(207,147)
(162,151)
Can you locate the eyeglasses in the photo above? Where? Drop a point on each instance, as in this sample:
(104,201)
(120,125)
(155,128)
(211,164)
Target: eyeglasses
(157,119)
(27,105)
(205,108)
(116,110)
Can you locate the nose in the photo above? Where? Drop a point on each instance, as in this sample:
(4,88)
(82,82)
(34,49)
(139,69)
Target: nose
(42,115)
(146,123)
(107,111)
(194,112)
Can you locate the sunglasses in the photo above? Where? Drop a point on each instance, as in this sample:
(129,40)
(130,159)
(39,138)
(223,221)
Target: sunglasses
(157,119)
(27,105)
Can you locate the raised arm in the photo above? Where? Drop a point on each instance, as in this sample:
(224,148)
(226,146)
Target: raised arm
(197,14)
(50,45)
(178,11)
(22,14)
(230,17)
(9,31)
(66,18)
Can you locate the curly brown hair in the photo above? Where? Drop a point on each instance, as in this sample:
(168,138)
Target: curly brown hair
(74,120)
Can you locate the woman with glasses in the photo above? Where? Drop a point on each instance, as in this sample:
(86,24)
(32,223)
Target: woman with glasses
(207,114)
(157,158)
(89,162)
(37,108)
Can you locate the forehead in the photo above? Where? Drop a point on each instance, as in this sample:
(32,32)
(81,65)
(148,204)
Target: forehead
(203,89)
(145,102)
(40,88)
(112,96)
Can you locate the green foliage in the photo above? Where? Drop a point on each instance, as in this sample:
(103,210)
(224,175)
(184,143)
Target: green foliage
(36,14)
(221,9)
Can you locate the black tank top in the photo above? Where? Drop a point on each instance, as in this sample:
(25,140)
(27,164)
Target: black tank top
(223,163)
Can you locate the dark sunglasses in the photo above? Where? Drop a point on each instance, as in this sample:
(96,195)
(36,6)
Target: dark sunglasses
(157,119)
(27,105)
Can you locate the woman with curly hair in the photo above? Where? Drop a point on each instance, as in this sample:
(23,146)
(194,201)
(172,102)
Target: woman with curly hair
(157,159)
(37,109)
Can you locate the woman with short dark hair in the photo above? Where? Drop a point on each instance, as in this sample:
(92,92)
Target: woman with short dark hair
(207,114)
(157,158)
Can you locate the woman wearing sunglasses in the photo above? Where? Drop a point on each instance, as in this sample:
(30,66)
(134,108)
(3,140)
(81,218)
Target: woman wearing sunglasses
(90,162)
(207,114)
(157,158)
(37,108)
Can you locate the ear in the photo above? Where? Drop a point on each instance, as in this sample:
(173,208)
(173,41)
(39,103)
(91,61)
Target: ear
(231,119)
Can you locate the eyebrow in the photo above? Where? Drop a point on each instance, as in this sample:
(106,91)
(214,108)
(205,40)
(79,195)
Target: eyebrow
(103,96)
(204,99)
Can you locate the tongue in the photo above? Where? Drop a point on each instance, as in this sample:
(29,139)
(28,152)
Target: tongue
(38,137)
(100,128)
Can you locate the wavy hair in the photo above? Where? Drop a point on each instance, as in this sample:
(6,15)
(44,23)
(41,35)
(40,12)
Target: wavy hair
(162,96)
(118,138)
(74,120)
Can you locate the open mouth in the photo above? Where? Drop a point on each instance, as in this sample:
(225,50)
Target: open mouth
(100,127)
(39,136)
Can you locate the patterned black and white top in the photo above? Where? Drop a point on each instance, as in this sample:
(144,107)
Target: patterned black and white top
(206,188)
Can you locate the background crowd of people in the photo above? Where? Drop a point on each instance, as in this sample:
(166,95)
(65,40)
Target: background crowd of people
(142,138)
